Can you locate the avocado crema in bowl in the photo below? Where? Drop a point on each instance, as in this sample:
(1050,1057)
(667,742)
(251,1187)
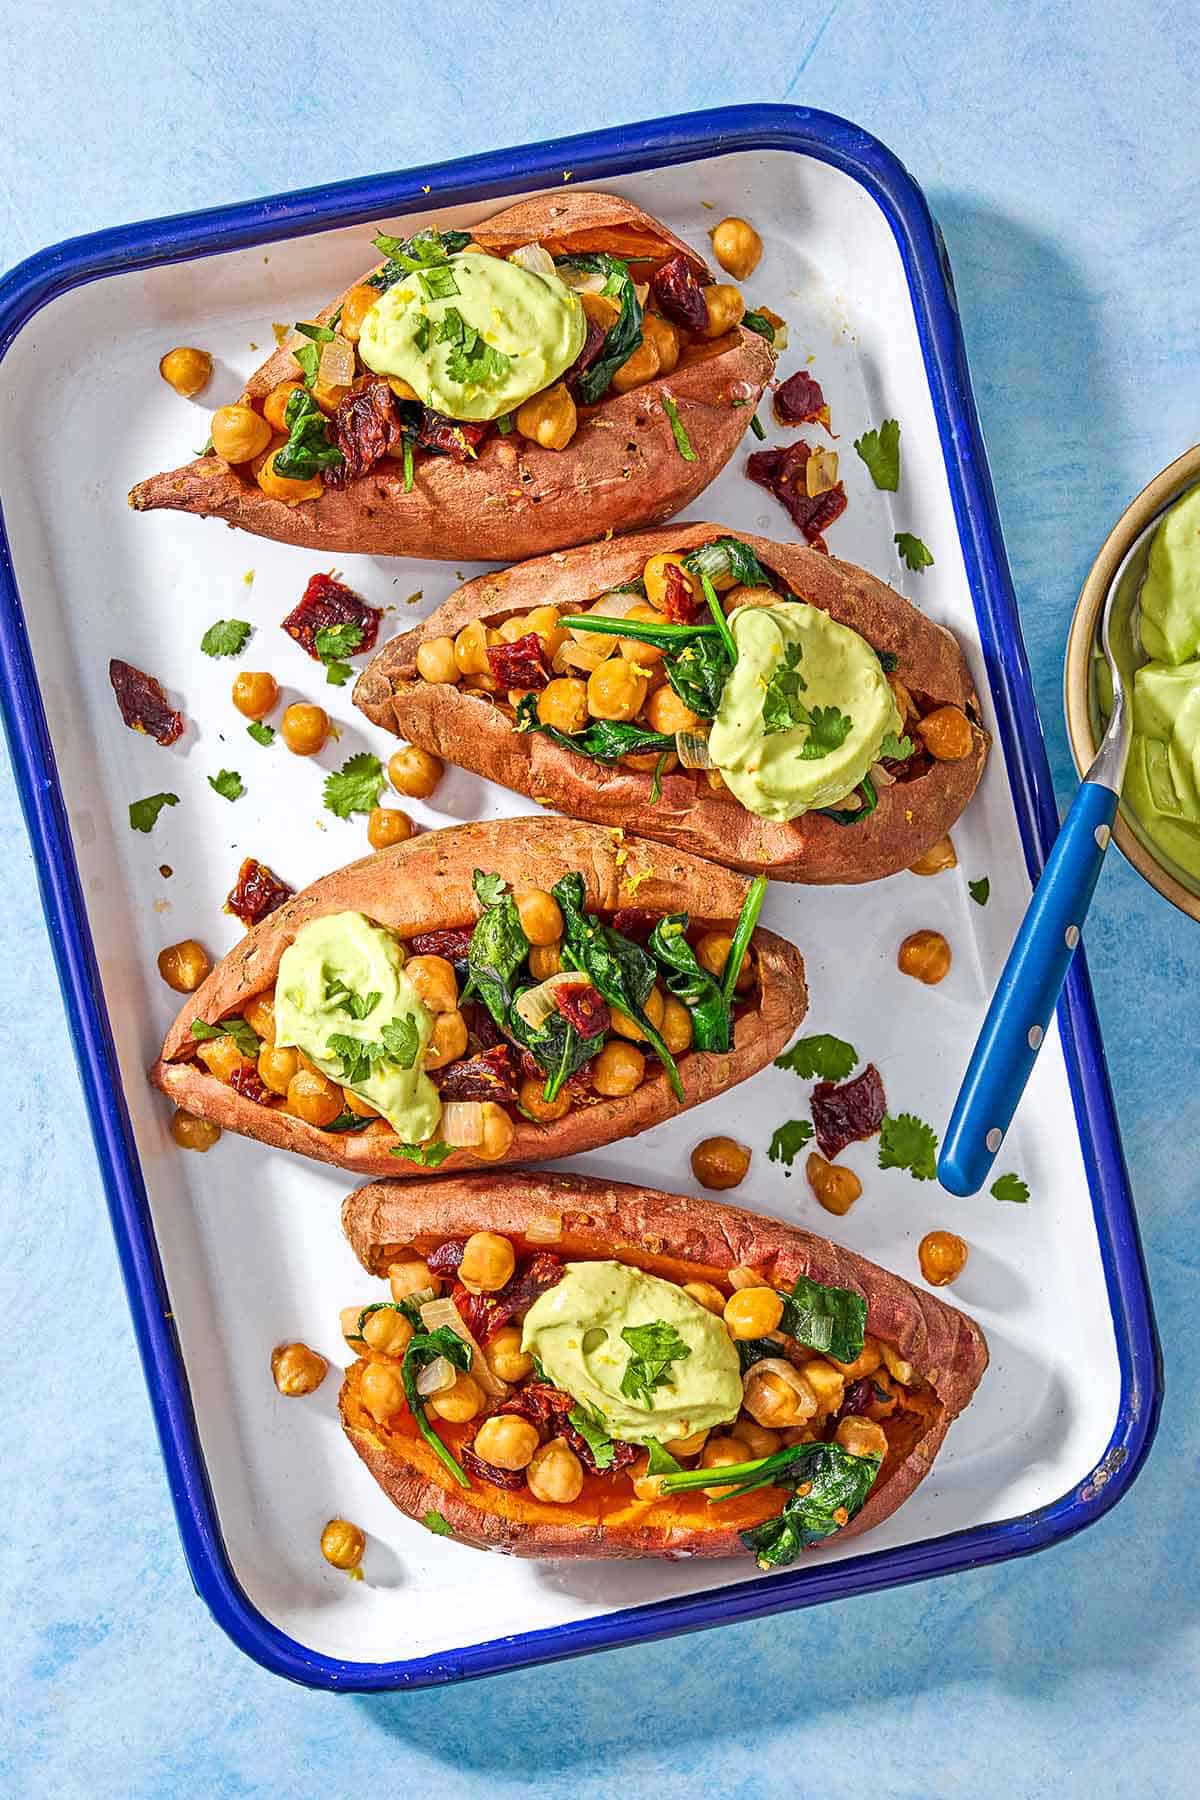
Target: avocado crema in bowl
(1156,640)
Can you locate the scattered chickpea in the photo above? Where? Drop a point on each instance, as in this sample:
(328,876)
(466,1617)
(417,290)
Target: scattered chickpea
(925,955)
(183,966)
(412,1277)
(655,580)
(835,1186)
(186,370)
(753,1312)
(826,1382)
(943,1257)
(725,308)
(387,1331)
(362,1109)
(435,982)
(239,433)
(488,1260)
(498,1134)
(507,1442)
(665,338)
(545,960)
(555,1473)
(291,490)
(712,953)
(191,1133)
(342,1544)
(448,1041)
(616,689)
(936,860)
(618,1070)
(276,403)
(506,1359)
(304,728)
(563,704)
(645,1485)
(355,307)
(861,1437)
(720,1162)
(757,1439)
(654,1006)
(946,733)
(297,1369)
(276,1067)
(639,368)
(691,1445)
(436,660)
(647,656)
(382,1391)
(778,1401)
(471,648)
(460,1403)
(549,419)
(665,711)
(313,1098)
(255,693)
(737,247)
(721,1453)
(676,1028)
(865,1363)
(532,1090)
(707,1295)
(259,1014)
(414,773)
(387,825)
(221,1057)
(540,915)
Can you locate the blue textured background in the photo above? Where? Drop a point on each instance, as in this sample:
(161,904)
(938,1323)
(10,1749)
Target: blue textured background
(1058,146)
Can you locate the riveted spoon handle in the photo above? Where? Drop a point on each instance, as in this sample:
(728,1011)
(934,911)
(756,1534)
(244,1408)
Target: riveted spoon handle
(1019,1015)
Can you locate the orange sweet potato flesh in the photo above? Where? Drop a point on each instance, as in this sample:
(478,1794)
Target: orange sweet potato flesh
(622,469)
(682,1239)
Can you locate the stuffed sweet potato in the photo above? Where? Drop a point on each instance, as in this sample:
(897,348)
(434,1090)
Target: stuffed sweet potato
(565,369)
(833,740)
(490,993)
(706,1381)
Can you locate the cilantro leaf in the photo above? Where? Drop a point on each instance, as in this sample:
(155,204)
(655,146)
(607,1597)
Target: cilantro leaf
(438,283)
(355,787)
(906,1142)
(594,1432)
(433,1521)
(337,674)
(143,814)
(333,641)
(826,1057)
(828,728)
(913,553)
(402,1041)
(659,1461)
(683,442)
(309,448)
(309,359)
(880,450)
(262,734)
(320,334)
(228,637)
(980,890)
(228,784)
(357,1005)
(357,1057)
(489,889)
(788,1140)
(654,1348)
(1010,1187)
(243,1034)
(782,706)
(426,1156)
(896,749)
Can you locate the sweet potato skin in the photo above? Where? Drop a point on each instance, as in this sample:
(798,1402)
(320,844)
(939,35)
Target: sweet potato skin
(622,470)
(681,1238)
(425,885)
(463,728)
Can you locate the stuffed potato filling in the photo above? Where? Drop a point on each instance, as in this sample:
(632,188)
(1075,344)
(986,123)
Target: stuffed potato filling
(441,1042)
(599,1385)
(710,665)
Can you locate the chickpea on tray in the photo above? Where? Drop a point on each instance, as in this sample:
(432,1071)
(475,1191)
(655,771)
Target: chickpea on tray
(572,1367)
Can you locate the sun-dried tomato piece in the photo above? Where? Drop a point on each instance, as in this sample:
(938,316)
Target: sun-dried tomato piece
(325,603)
(592,346)
(510,1479)
(144,706)
(453,942)
(475,1310)
(680,605)
(247,1082)
(486,1314)
(634,922)
(456,438)
(679,294)
(519,664)
(799,400)
(548,1407)
(256,892)
(845,1114)
(365,427)
(781,472)
(582,1007)
(488,1076)
(445,1259)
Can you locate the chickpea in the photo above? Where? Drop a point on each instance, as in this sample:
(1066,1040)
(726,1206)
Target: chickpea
(276,403)
(382,1391)
(721,1453)
(488,1261)
(414,772)
(186,370)
(691,1445)
(448,1042)
(435,982)
(387,825)
(436,660)
(826,1382)
(776,1400)
(835,1186)
(498,1134)
(898,1367)
(546,621)
(665,711)
(665,339)
(936,860)
(259,1015)
(707,1295)
(304,728)
(563,704)
(749,596)
(720,1162)
(865,1363)
(653,1008)
(616,690)
(601,309)
(545,960)
(191,1133)
(412,1277)
(291,490)
(403,390)
(328,398)
(342,1544)
(354,1103)
(712,953)
(645,1486)
(637,369)
(654,579)
(555,1473)
(506,1441)
(531,1092)
(946,733)
(549,418)
(541,916)
(652,760)
(355,307)
(737,247)
(758,1441)
(313,1098)
(861,1437)
(943,1257)
(676,1028)
(297,1370)
(753,1312)
(255,693)
(277,1067)
(221,1057)
(925,955)
(348,1318)
(459,1403)
(387,1332)
(183,966)
(619,1069)
(506,1359)
(725,308)
(471,648)
(645,655)
(239,433)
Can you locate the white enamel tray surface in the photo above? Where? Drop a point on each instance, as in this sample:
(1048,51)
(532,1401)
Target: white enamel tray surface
(250,1238)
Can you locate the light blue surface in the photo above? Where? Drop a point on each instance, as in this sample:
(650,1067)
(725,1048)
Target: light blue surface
(1058,148)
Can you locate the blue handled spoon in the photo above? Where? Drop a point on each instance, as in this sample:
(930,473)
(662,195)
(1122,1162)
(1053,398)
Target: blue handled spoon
(1027,992)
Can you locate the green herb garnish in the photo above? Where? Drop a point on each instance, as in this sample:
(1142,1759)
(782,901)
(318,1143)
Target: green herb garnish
(357,1005)
(896,749)
(820,1056)
(683,442)
(829,1486)
(1010,1187)
(355,787)
(226,638)
(594,1432)
(980,890)
(143,814)
(788,1140)
(913,552)
(243,1035)
(262,734)
(906,1142)
(433,1521)
(309,448)
(880,450)
(426,1156)
(623,336)
(228,784)
(425,1347)
(653,1349)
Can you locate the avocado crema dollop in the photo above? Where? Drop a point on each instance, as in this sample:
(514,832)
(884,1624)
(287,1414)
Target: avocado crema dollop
(331,960)
(775,774)
(574,1330)
(474,336)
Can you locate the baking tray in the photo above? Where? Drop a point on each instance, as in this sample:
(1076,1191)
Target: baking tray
(227,1254)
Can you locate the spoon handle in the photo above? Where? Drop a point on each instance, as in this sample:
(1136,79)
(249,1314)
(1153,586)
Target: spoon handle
(1019,1015)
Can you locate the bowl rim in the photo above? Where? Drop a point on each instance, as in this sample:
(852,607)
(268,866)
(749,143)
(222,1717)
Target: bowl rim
(1183,473)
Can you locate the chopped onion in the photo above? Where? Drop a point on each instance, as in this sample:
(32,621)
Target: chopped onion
(821,471)
(336,368)
(786,1371)
(544,1231)
(642,290)
(462,1123)
(609,606)
(692,749)
(536,1004)
(742,1277)
(535,258)
(437,1315)
(883,778)
(436,1376)
(583,281)
(586,653)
